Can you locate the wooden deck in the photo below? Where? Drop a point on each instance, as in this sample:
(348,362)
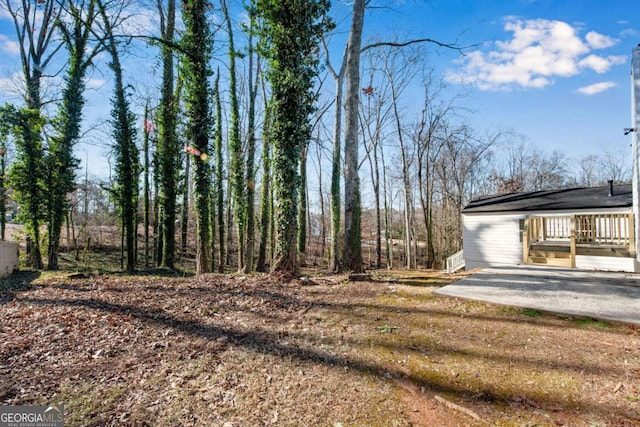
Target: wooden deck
(557,240)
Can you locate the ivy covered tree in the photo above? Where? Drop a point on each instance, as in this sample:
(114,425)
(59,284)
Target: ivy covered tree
(236,166)
(265,194)
(127,167)
(218,192)
(25,176)
(196,46)
(35,26)
(4,135)
(290,34)
(168,146)
(60,161)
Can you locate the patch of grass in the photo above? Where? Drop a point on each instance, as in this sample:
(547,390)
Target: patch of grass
(509,310)
(589,322)
(83,403)
(515,311)
(529,312)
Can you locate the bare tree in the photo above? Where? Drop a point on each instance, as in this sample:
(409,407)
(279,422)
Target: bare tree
(429,141)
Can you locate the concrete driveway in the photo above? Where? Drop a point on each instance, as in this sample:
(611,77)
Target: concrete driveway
(600,295)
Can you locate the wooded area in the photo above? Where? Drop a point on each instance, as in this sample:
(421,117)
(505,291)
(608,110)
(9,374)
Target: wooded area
(372,172)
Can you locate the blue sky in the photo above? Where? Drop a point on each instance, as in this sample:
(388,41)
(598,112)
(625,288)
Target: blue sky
(556,72)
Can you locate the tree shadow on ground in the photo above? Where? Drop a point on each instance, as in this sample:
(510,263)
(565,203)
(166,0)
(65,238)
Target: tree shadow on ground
(19,281)
(262,340)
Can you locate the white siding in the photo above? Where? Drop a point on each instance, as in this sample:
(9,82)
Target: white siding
(605,263)
(491,240)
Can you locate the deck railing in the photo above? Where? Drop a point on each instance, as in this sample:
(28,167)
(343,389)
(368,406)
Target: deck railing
(542,228)
(598,229)
(588,233)
(455,262)
(611,229)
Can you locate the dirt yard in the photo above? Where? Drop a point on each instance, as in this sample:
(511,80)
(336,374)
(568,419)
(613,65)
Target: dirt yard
(319,350)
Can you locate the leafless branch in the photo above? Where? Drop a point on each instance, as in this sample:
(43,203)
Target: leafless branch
(451,46)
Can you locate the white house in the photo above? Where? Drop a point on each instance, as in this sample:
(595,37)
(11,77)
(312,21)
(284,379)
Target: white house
(587,228)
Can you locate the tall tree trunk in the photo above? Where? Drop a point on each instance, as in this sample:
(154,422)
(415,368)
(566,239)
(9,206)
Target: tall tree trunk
(235,148)
(387,215)
(335,205)
(184,221)
(372,156)
(35,25)
(212,223)
(334,262)
(60,161)
(196,42)
(147,190)
(251,153)
(168,142)
(157,214)
(376,189)
(219,190)
(292,37)
(302,205)
(323,228)
(3,190)
(265,196)
(127,162)
(352,201)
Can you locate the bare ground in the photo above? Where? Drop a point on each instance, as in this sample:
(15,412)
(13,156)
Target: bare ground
(226,350)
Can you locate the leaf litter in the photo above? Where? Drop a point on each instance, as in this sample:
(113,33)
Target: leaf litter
(278,350)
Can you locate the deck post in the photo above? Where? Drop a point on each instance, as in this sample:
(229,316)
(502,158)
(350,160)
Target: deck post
(572,241)
(525,242)
(632,235)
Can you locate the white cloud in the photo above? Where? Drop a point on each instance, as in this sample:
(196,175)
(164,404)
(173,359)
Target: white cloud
(601,65)
(538,51)
(8,46)
(596,88)
(599,41)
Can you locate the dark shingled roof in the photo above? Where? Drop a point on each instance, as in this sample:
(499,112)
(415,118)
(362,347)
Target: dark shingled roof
(549,200)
